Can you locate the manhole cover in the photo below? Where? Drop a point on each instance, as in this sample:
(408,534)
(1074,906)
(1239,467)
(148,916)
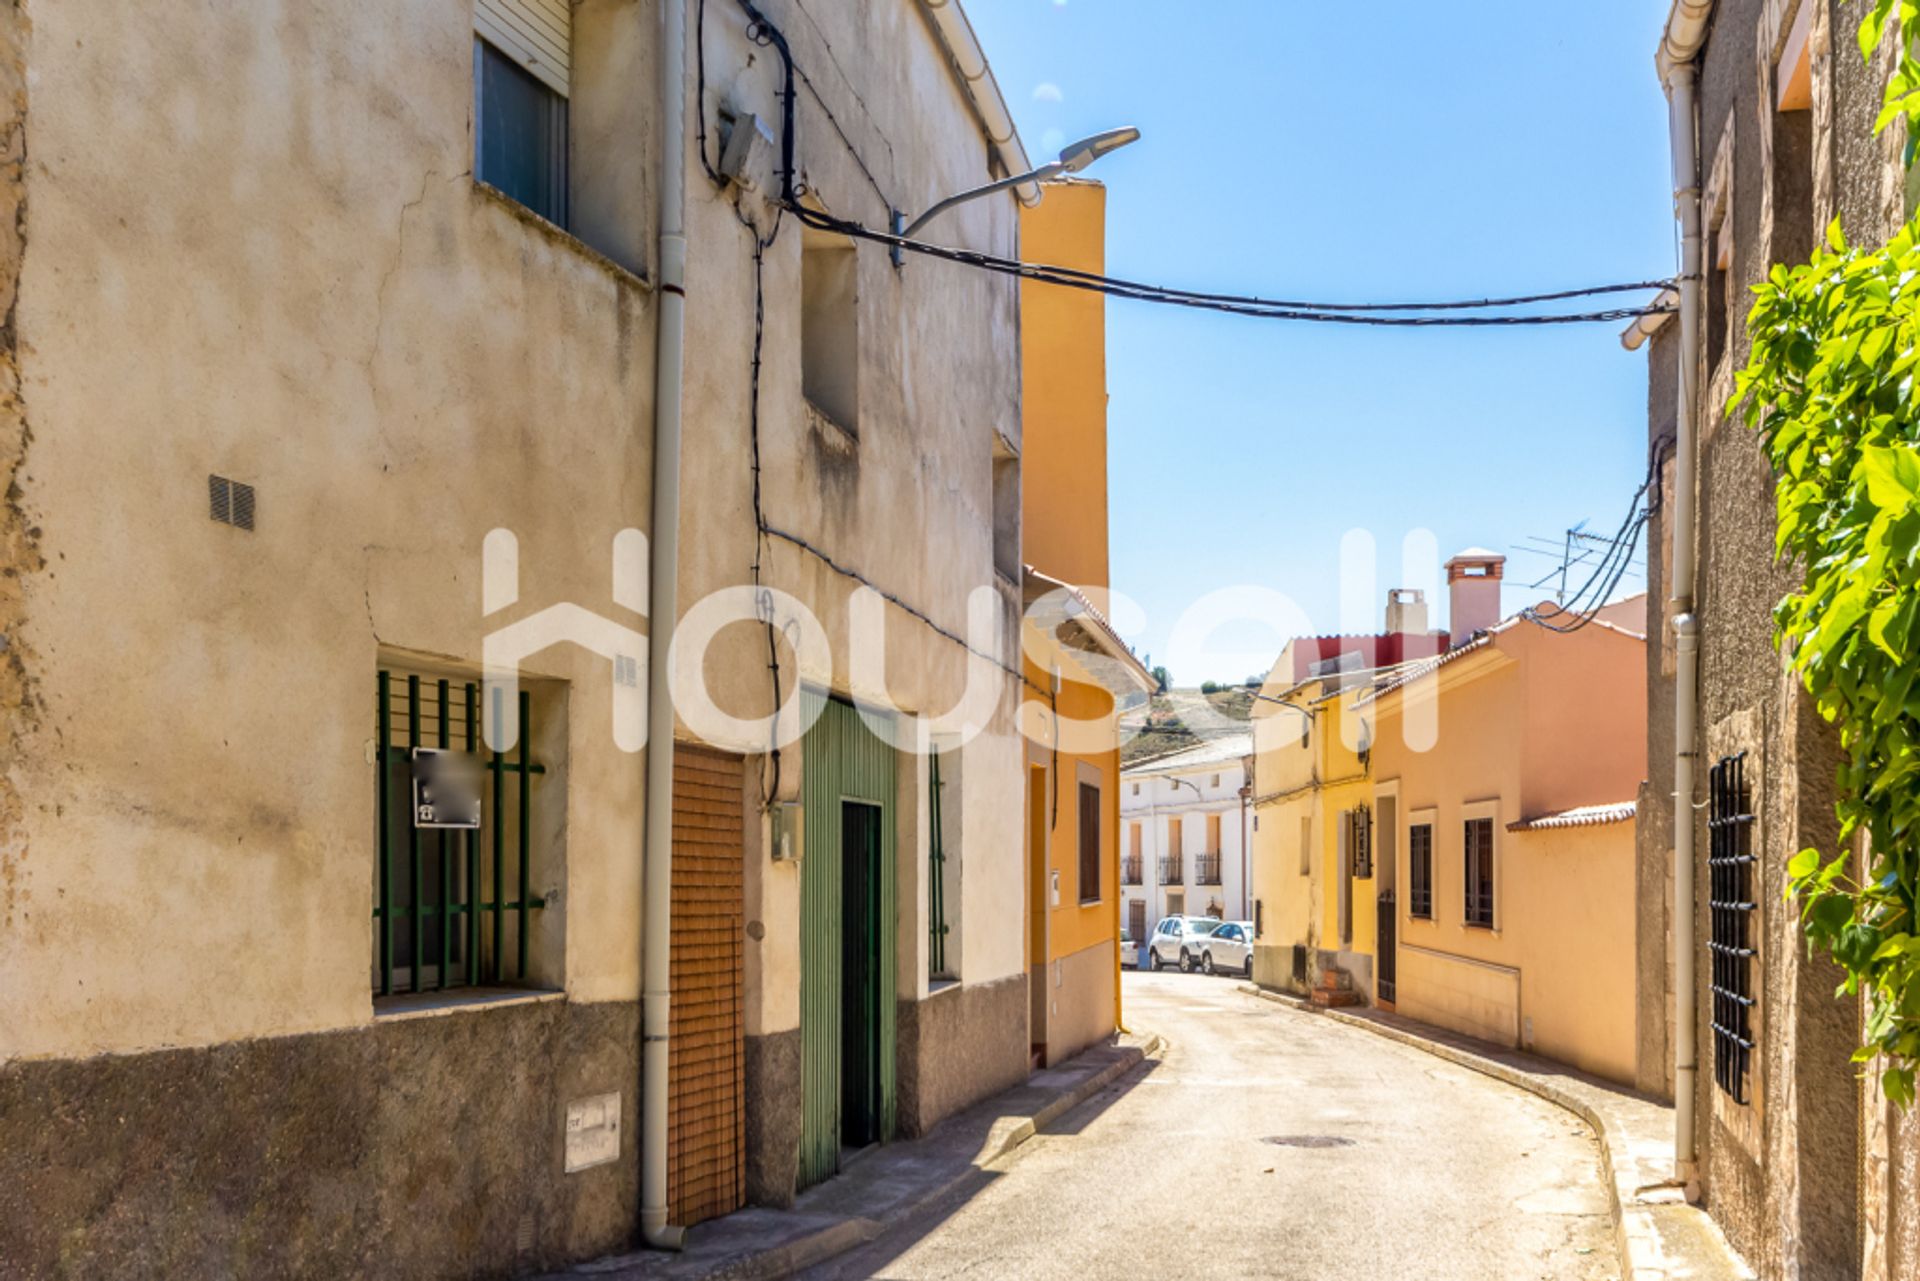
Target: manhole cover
(1308,1141)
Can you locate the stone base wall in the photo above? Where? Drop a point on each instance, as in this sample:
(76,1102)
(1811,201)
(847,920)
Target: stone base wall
(418,1146)
(958,1046)
(775,1114)
(1273,968)
(1083,1002)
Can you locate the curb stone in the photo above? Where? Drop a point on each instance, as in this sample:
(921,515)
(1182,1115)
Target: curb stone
(1660,1236)
(840,1235)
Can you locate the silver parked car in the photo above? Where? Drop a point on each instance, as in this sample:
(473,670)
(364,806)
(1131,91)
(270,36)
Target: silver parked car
(1228,950)
(1176,941)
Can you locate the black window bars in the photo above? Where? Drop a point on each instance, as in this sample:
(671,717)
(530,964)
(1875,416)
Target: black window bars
(1730,906)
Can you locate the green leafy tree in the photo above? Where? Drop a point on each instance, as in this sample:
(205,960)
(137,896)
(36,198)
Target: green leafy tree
(1161,678)
(1830,387)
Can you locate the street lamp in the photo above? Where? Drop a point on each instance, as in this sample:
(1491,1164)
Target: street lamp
(1074,158)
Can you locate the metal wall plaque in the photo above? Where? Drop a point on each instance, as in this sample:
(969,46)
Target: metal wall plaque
(446,788)
(593,1132)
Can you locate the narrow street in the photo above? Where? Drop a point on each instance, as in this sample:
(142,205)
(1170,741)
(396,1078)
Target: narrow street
(1270,1142)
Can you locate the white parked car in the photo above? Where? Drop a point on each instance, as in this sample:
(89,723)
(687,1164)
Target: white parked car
(1176,941)
(1130,950)
(1229,949)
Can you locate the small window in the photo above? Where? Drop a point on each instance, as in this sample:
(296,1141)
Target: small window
(1214,781)
(1730,907)
(1362,842)
(519,129)
(1089,843)
(1006,512)
(1306,846)
(1718,287)
(1420,871)
(1259,918)
(1136,789)
(1793,73)
(455,869)
(944,844)
(830,328)
(1479,851)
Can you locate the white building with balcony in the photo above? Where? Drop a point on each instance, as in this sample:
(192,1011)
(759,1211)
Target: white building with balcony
(1185,828)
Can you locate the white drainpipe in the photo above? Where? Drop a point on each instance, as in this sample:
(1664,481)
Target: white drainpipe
(970,62)
(656,903)
(1680,46)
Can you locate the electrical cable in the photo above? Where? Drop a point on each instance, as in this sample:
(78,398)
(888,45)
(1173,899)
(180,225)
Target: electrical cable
(764,31)
(1115,287)
(1614,564)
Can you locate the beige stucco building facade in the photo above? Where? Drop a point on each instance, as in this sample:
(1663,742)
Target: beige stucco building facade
(304,384)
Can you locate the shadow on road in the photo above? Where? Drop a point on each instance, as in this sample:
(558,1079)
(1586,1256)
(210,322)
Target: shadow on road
(979,1130)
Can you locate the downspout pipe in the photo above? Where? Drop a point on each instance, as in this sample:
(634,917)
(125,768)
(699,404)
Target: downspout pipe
(656,903)
(1680,71)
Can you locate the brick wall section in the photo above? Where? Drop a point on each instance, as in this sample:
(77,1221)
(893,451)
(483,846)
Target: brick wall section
(706,1172)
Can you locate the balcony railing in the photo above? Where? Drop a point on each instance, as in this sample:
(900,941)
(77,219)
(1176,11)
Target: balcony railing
(1173,870)
(1208,868)
(1130,870)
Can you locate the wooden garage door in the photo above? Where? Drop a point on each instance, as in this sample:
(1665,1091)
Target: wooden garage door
(706,1173)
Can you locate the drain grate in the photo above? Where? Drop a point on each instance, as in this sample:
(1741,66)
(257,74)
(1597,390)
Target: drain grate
(1308,1141)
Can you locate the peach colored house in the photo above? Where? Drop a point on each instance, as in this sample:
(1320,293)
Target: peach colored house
(1505,772)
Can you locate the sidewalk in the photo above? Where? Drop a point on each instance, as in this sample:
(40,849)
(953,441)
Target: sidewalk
(1662,1238)
(882,1187)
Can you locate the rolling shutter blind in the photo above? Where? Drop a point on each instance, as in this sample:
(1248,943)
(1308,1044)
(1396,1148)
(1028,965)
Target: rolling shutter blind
(537,34)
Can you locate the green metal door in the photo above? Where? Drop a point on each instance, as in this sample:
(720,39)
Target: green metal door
(845,768)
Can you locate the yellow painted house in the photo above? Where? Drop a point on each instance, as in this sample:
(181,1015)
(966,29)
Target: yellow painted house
(1314,882)
(1075,667)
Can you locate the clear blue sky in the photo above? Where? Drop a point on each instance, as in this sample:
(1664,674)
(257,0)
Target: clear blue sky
(1395,151)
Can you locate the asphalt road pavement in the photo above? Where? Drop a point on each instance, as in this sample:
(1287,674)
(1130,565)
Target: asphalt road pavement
(1269,1142)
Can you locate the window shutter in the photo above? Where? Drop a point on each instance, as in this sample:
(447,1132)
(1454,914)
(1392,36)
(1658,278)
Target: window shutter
(537,34)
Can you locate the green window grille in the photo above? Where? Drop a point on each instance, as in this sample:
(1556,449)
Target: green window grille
(937,876)
(441,911)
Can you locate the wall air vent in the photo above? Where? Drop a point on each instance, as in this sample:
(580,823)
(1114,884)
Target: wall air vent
(230,502)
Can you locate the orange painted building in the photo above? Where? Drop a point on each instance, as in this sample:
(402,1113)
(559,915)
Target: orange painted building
(1505,773)
(1075,666)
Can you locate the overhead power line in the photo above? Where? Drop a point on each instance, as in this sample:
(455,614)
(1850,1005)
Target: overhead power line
(1445,314)
(1616,559)
(1388,314)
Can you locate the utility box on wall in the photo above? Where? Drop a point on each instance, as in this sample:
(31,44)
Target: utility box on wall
(593,1132)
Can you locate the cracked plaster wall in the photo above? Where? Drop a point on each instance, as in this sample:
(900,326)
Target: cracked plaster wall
(277,269)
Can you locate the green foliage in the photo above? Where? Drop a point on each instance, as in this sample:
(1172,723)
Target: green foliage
(1161,678)
(1902,98)
(1209,687)
(1831,388)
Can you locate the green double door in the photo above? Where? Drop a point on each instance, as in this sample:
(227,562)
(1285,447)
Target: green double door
(849,923)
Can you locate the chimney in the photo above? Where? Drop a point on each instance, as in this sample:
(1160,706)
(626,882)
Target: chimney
(1406,612)
(1473,592)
